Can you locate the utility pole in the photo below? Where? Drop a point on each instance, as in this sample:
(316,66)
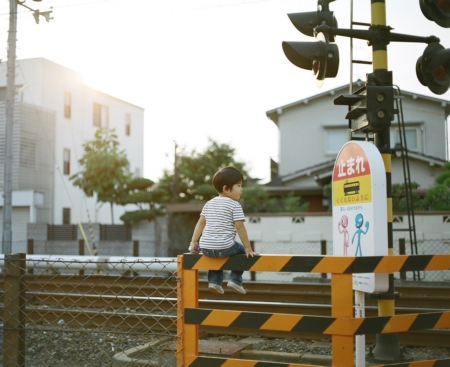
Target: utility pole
(10,92)
(9,121)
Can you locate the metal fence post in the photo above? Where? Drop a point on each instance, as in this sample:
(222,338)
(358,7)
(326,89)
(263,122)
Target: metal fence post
(135,253)
(252,273)
(30,251)
(135,248)
(81,252)
(401,250)
(14,311)
(323,251)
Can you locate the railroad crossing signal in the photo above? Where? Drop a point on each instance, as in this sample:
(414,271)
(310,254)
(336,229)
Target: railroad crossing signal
(437,11)
(371,108)
(321,56)
(432,68)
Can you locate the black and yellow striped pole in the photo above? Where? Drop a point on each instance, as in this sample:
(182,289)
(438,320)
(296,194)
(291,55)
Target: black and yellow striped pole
(387,347)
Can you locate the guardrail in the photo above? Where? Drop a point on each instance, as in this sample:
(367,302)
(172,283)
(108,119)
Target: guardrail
(342,326)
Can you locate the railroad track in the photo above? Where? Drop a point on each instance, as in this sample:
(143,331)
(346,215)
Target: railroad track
(150,303)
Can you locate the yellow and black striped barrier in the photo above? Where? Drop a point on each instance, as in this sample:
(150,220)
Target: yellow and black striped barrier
(321,264)
(318,324)
(341,325)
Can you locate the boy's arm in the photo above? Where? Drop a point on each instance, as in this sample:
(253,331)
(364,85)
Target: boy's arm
(198,230)
(242,232)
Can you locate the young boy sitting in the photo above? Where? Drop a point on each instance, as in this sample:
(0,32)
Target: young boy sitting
(221,218)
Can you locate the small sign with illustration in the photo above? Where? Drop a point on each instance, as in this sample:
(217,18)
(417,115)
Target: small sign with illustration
(360,209)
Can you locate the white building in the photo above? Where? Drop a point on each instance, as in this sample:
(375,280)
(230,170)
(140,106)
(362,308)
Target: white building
(54,114)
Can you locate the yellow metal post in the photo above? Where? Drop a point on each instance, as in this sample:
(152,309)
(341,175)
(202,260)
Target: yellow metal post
(342,306)
(187,294)
(387,347)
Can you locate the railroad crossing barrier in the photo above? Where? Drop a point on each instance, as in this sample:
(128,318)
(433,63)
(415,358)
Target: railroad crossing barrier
(341,326)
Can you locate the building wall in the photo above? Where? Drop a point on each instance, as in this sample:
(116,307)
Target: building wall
(302,140)
(432,116)
(421,172)
(40,101)
(303,128)
(305,227)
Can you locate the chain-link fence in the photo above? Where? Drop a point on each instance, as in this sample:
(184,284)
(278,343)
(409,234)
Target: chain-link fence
(117,311)
(82,247)
(74,312)
(401,247)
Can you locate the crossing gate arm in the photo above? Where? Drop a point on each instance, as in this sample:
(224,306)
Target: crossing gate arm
(317,324)
(342,326)
(320,264)
(222,362)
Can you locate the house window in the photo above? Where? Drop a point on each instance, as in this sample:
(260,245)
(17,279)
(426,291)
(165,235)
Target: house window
(100,116)
(67,105)
(335,139)
(66,216)
(66,164)
(411,135)
(127,124)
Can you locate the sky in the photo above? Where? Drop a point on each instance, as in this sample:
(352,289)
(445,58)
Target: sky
(206,69)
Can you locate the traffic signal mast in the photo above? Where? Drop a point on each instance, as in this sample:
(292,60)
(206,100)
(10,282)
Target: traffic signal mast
(371,108)
(322,57)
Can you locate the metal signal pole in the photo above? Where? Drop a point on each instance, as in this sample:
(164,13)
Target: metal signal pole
(387,345)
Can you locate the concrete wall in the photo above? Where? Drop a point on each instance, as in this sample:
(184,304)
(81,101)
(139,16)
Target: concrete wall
(152,238)
(300,234)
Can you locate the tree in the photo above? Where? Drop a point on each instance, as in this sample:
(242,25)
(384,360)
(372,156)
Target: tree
(438,197)
(104,169)
(257,200)
(148,198)
(192,179)
(399,201)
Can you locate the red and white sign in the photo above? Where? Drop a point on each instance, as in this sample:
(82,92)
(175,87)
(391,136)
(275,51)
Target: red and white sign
(360,209)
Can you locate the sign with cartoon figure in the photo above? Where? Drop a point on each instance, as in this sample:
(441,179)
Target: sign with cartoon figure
(360,209)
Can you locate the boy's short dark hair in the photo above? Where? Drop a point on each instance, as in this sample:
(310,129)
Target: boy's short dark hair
(228,177)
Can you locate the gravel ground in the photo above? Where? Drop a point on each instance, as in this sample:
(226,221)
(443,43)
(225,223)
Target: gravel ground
(94,348)
(64,347)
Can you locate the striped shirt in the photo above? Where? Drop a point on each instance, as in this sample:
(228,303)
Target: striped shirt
(220,214)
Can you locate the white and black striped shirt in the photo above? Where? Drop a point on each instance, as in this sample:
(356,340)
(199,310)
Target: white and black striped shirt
(220,214)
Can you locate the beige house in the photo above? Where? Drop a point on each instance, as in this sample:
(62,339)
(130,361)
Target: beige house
(313,130)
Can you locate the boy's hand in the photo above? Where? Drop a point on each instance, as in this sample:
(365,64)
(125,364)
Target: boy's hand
(250,252)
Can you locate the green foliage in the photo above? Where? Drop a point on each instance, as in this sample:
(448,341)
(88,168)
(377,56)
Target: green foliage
(444,177)
(257,200)
(438,197)
(192,179)
(399,202)
(137,215)
(143,193)
(104,168)
(327,192)
(292,203)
